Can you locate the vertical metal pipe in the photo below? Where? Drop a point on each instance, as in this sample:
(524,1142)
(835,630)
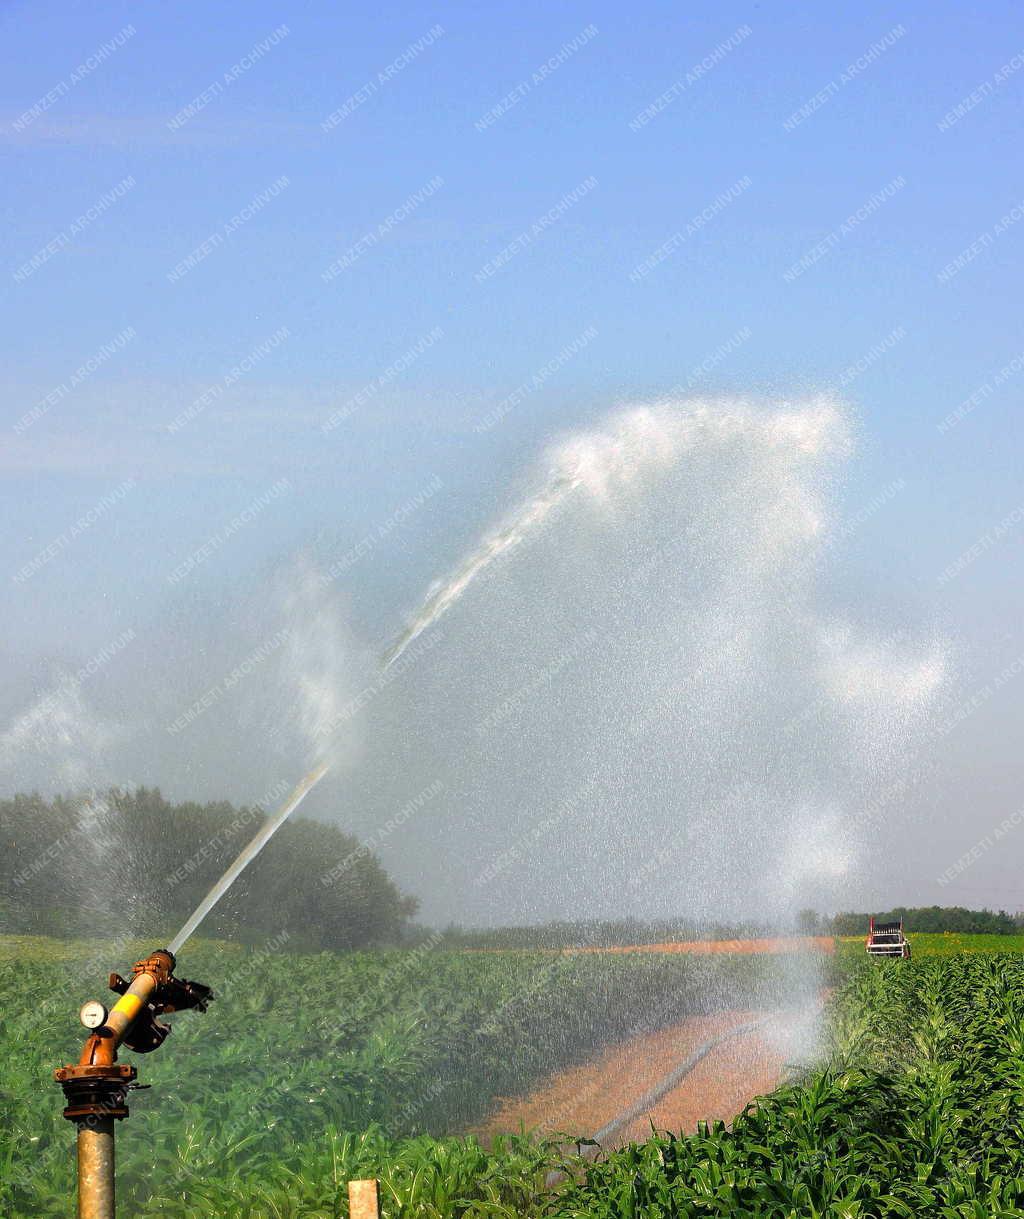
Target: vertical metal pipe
(96,1168)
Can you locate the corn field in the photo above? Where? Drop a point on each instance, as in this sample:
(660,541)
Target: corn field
(920,1111)
(301,1054)
(916,1109)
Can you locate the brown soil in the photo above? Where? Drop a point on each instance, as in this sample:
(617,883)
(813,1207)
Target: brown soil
(808,943)
(785,944)
(584,1099)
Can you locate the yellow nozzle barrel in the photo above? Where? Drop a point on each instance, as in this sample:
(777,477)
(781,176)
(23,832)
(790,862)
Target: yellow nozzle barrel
(122,1014)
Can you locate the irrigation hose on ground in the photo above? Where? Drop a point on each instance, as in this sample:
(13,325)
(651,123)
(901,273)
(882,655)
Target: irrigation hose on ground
(674,1077)
(660,1089)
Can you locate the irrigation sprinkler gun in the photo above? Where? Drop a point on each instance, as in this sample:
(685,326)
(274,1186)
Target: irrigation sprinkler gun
(97,1086)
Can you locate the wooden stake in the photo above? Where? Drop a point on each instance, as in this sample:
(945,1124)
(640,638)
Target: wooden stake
(363,1200)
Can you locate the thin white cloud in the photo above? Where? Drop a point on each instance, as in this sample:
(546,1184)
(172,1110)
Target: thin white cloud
(126,131)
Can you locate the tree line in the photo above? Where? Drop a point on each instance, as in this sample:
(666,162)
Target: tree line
(132,863)
(931,919)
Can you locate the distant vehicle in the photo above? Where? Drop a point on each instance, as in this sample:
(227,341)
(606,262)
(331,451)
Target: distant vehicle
(887,940)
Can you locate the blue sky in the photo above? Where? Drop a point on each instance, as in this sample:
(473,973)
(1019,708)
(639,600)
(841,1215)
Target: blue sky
(878,124)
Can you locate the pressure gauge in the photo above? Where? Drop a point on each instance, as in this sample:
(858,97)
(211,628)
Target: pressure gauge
(92,1014)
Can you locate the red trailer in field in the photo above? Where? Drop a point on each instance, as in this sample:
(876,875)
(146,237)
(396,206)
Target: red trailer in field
(887,940)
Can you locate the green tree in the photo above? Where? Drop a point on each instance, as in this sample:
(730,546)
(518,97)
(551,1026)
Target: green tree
(130,861)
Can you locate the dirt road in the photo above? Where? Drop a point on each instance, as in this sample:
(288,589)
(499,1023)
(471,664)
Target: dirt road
(586,1099)
(786,944)
(781,944)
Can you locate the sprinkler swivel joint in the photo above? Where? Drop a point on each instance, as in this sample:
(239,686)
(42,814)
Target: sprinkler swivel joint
(96,1091)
